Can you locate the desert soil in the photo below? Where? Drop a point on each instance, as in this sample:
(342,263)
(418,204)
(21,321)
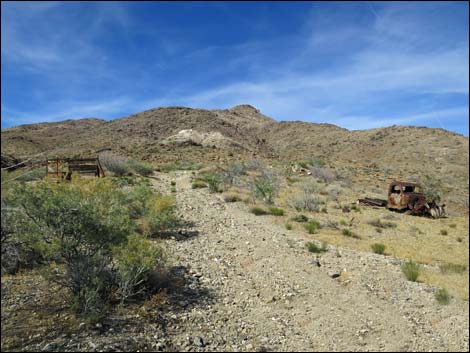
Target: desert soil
(264,291)
(244,283)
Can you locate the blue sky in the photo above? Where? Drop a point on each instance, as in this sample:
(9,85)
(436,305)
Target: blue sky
(358,65)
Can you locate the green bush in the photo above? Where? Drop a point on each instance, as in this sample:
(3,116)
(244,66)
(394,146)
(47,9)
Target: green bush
(300,218)
(87,227)
(136,260)
(141,168)
(118,165)
(275,211)
(79,225)
(232,198)
(213,181)
(378,248)
(288,226)
(305,202)
(411,270)
(312,227)
(347,232)
(160,216)
(443,296)
(258,211)
(432,188)
(198,184)
(444,232)
(314,248)
(266,187)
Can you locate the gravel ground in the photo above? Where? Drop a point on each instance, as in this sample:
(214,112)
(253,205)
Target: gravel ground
(242,283)
(268,293)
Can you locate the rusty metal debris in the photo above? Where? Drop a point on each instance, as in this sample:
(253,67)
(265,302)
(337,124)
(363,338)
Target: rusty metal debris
(406,197)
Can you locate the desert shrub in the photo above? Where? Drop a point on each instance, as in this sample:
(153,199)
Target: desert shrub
(349,233)
(141,168)
(314,248)
(442,296)
(411,270)
(173,183)
(213,181)
(258,211)
(380,224)
(324,174)
(232,172)
(452,268)
(118,165)
(312,226)
(79,226)
(356,208)
(305,202)
(288,226)
(333,192)
(310,187)
(275,211)
(432,188)
(198,184)
(300,218)
(266,186)
(378,248)
(232,198)
(86,230)
(160,216)
(183,165)
(136,260)
(137,199)
(453,225)
(343,222)
(444,232)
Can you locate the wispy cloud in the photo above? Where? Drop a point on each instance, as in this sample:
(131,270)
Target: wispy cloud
(356,64)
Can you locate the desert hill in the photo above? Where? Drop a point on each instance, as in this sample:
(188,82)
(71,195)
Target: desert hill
(164,135)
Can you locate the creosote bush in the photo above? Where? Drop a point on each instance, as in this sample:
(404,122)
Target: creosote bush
(86,230)
(411,270)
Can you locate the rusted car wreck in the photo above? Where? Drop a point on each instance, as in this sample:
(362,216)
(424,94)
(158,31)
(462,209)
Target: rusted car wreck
(406,197)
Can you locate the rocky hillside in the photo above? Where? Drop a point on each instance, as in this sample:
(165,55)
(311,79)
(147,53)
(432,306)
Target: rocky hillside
(242,132)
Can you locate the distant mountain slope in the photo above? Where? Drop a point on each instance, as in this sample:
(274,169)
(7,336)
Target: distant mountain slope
(243,132)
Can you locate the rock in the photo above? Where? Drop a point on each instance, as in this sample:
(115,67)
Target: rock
(198,341)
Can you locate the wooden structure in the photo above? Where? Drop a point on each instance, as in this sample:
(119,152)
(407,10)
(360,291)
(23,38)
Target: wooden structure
(63,168)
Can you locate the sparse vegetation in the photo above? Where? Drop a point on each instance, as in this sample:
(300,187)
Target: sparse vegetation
(232,198)
(275,211)
(442,296)
(432,188)
(378,248)
(444,232)
(452,268)
(212,180)
(266,186)
(305,202)
(312,226)
(411,270)
(288,226)
(314,248)
(141,168)
(380,224)
(258,211)
(300,218)
(198,184)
